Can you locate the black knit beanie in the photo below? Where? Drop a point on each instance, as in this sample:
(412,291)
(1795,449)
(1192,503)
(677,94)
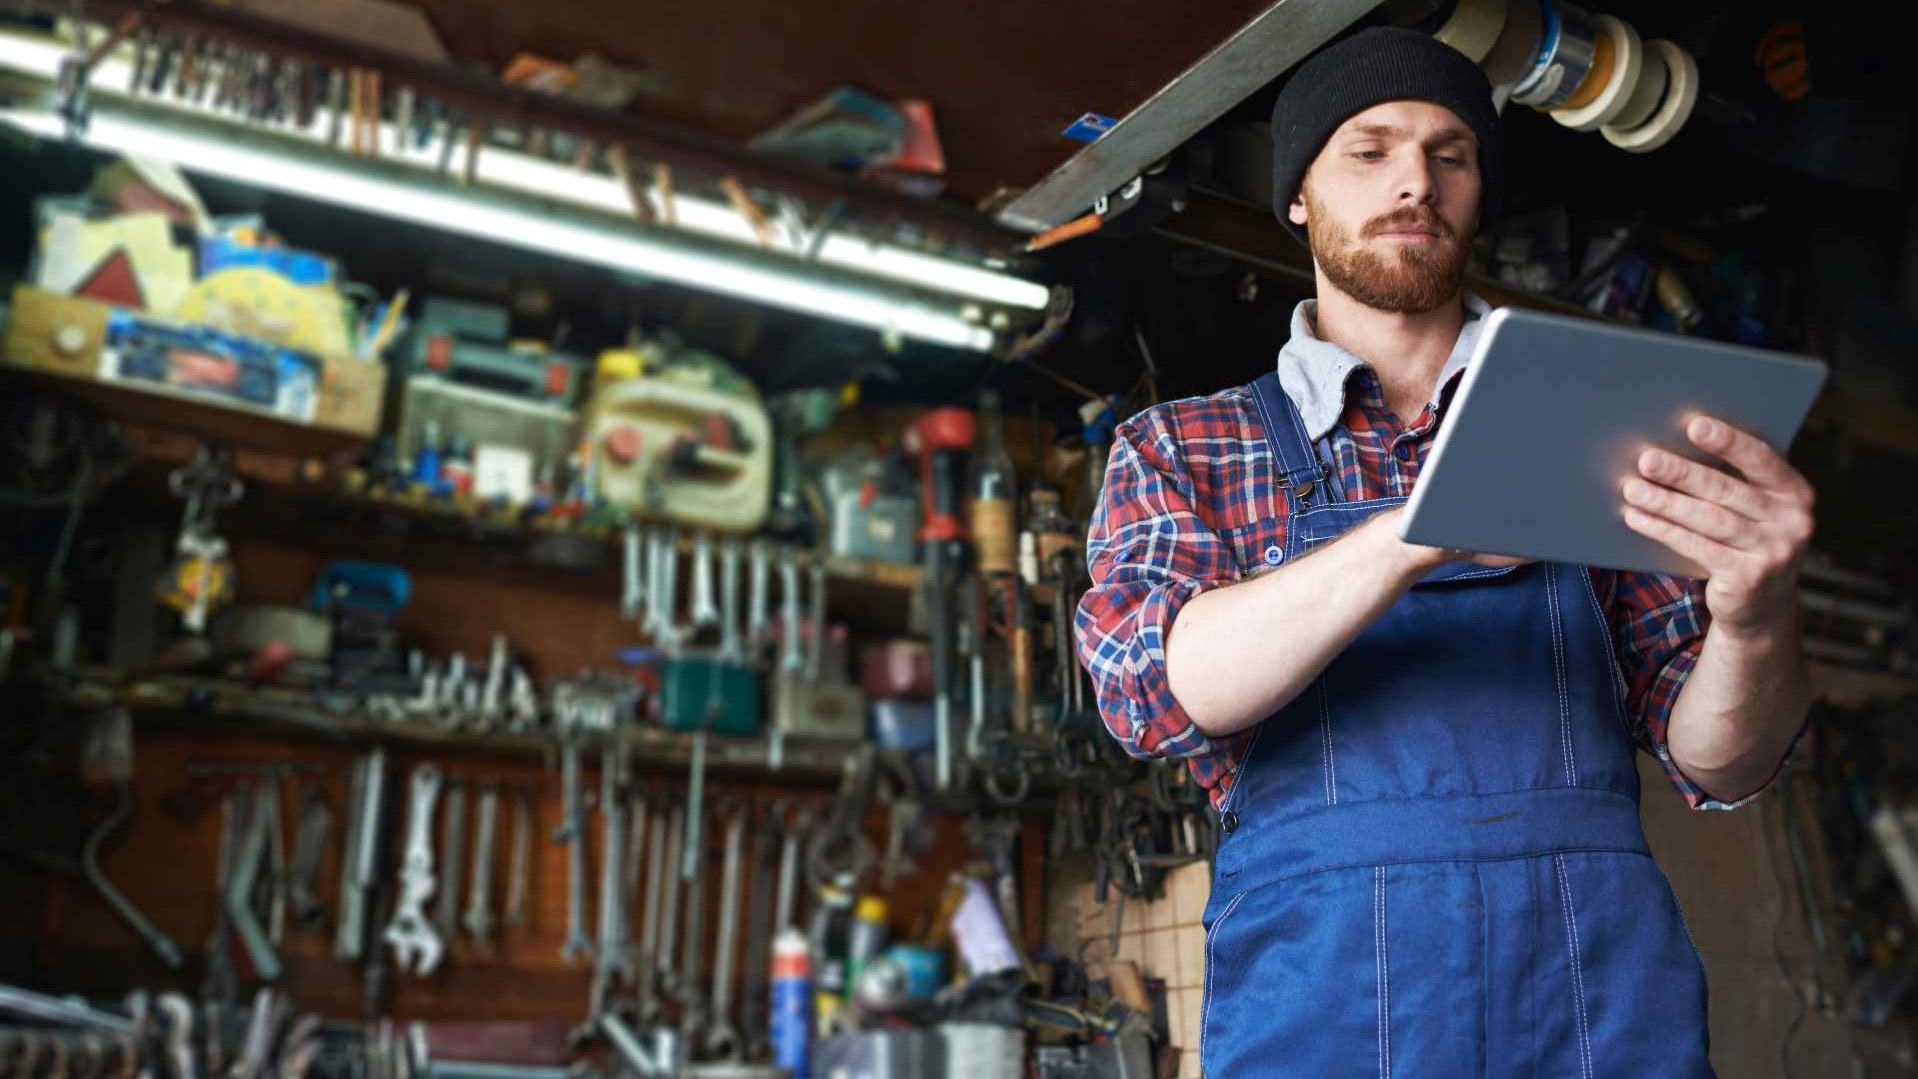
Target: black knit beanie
(1384,63)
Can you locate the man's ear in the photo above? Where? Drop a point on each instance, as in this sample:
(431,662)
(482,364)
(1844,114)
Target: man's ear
(1296,211)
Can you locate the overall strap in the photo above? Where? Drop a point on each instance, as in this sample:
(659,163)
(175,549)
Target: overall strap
(1299,467)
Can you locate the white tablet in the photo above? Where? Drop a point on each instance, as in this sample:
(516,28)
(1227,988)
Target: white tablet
(1551,416)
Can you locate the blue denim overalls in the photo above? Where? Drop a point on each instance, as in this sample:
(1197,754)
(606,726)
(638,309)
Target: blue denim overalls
(1433,863)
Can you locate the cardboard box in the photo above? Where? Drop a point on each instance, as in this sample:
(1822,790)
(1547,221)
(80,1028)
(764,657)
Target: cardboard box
(70,338)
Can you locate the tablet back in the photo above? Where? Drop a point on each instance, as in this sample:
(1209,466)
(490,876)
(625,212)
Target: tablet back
(1551,415)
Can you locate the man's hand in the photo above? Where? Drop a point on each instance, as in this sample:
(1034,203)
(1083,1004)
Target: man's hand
(1749,534)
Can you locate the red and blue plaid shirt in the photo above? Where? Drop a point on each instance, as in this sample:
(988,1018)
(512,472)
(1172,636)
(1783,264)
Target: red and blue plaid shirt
(1191,497)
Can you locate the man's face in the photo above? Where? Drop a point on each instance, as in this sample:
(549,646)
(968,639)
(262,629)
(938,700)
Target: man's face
(1390,204)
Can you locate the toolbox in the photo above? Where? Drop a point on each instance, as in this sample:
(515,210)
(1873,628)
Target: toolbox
(539,434)
(692,685)
(873,511)
(468,344)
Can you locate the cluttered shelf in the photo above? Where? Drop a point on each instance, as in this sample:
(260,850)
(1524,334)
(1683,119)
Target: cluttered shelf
(198,705)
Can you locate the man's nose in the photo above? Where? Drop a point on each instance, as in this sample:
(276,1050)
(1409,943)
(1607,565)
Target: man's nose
(1416,183)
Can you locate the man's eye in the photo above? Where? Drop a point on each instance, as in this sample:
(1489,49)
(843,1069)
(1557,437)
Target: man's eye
(1369,155)
(1450,159)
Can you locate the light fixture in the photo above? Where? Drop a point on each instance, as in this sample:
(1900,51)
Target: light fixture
(523,201)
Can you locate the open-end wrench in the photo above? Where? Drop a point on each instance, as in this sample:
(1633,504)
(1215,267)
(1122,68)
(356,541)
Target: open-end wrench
(666,631)
(755,1002)
(792,653)
(816,639)
(571,832)
(240,885)
(309,850)
(415,945)
(492,704)
(614,959)
(692,951)
(705,607)
(519,869)
(479,900)
(634,591)
(360,862)
(178,1013)
(785,909)
(669,916)
(276,859)
(758,599)
(656,870)
(722,1038)
(732,648)
(446,918)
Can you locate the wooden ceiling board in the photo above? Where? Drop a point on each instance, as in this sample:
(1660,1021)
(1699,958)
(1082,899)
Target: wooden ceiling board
(1004,79)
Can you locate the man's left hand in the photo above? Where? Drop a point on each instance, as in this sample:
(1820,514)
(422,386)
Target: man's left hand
(1748,532)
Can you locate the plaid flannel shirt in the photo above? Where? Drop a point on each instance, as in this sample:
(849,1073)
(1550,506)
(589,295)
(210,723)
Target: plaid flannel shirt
(1191,496)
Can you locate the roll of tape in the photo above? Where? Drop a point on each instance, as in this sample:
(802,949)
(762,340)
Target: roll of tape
(1628,63)
(1597,76)
(1475,26)
(1564,57)
(1681,94)
(1645,96)
(1511,59)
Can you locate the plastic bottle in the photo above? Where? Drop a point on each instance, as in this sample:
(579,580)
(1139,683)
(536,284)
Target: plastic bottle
(864,938)
(791,1020)
(994,510)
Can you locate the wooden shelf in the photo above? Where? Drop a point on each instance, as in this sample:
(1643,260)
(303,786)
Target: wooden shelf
(195,705)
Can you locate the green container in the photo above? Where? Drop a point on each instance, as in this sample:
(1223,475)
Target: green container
(698,691)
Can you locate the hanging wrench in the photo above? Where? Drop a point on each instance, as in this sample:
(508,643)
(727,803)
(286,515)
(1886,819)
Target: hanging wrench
(792,646)
(614,958)
(692,952)
(415,945)
(758,603)
(816,639)
(785,912)
(755,1001)
(722,1039)
(309,850)
(446,918)
(705,609)
(634,592)
(518,874)
(479,901)
(493,698)
(571,832)
(665,587)
(731,647)
(656,870)
(669,917)
(178,1011)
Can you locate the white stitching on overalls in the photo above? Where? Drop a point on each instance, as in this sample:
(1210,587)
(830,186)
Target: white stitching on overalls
(1559,678)
(1384,972)
(1578,969)
(1331,766)
(1205,1003)
(1611,653)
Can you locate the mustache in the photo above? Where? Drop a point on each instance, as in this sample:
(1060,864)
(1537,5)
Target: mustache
(1410,217)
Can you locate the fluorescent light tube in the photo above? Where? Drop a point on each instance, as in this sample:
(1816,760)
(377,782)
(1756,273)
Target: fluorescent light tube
(552,180)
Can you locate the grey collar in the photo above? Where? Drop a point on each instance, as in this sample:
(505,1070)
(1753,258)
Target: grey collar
(1314,372)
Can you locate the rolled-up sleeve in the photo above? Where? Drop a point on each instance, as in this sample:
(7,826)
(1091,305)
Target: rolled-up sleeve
(1149,553)
(1659,626)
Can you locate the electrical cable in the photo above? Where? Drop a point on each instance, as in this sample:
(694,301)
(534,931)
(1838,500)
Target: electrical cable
(1778,921)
